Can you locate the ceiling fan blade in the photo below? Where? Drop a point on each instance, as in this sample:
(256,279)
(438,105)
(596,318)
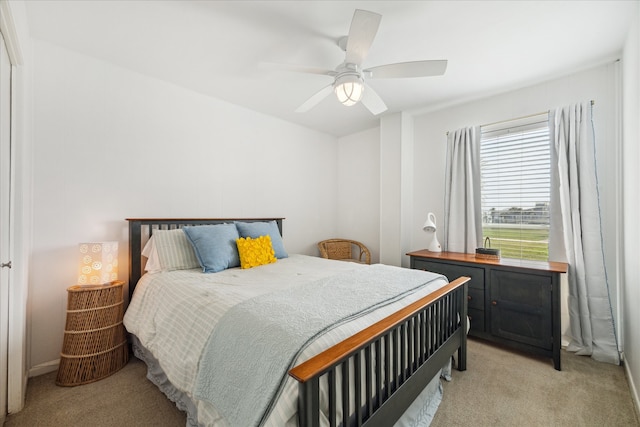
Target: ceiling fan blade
(364,27)
(296,68)
(315,99)
(407,69)
(372,101)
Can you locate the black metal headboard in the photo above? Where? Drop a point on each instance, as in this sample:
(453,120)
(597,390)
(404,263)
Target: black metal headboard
(141,229)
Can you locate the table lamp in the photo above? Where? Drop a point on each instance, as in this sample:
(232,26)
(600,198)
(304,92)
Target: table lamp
(98,263)
(430,228)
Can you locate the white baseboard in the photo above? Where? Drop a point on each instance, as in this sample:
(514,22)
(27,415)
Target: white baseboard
(633,389)
(16,404)
(44,368)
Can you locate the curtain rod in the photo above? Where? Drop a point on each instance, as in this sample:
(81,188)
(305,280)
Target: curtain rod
(514,119)
(519,118)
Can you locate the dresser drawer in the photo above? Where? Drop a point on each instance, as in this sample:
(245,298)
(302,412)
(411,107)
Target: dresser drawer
(475,299)
(452,271)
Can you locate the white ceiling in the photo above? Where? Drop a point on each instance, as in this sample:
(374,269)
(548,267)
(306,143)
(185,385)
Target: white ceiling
(217,47)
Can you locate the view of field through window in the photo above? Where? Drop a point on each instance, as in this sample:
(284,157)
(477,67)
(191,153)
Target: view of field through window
(515,187)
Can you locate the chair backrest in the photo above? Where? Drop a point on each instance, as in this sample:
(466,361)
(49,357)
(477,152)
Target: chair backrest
(342,249)
(338,250)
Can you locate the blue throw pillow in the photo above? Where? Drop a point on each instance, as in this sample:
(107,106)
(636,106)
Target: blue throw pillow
(215,246)
(257,229)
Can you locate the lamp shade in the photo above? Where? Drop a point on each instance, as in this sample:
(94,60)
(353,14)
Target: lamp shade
(430,223)
(98,263)
(430,227)
(349,89)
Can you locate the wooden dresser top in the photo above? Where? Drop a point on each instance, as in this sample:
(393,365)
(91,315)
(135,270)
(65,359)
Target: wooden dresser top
(552,266)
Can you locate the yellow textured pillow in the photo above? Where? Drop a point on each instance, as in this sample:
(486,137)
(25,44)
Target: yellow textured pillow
(255,252)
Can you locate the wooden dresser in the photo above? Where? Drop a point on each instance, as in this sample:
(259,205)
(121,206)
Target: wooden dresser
(512,302)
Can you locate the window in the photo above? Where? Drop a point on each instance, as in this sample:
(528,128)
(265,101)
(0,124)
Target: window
(515,180)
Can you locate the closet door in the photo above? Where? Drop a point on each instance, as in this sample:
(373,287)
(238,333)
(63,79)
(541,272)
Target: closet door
(5,218)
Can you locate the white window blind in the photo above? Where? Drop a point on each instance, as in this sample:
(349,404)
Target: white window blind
(515,175)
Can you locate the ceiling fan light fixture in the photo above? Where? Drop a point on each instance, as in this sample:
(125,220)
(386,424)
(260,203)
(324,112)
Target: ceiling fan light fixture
(349,89)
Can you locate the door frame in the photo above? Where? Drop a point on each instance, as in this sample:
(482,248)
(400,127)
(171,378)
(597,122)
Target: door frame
(21,220)
(6,218)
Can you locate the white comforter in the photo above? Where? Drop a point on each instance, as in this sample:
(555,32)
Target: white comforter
(173,313)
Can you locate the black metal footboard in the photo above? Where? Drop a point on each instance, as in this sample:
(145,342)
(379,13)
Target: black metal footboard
(372,377)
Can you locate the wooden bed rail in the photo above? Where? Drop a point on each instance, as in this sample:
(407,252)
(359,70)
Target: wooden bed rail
(387,358)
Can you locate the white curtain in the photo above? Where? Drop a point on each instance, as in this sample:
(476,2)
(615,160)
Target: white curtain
(576,218)
(462,207)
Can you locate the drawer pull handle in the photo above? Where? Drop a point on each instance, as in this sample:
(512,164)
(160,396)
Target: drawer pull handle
(494,302)
(469,297)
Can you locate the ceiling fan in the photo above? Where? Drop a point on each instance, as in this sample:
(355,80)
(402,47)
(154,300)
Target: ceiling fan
(349,82)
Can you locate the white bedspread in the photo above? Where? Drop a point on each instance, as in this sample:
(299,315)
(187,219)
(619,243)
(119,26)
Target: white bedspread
(173,313)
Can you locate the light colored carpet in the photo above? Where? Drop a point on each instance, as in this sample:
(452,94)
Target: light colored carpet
(505,388)
(125,398)
(499,388)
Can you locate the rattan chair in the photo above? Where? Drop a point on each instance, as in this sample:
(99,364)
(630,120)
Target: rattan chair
(343,250)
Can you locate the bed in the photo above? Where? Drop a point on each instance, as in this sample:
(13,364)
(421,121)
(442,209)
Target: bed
(361,358)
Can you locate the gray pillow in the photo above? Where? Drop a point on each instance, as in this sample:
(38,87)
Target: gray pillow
(257,229)
(214,245)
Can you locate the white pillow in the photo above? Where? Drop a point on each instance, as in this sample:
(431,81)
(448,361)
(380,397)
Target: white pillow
(173,251)
(153,260)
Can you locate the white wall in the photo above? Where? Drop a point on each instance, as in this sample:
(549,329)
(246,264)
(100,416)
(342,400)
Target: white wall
(396,187)
(631,194)
(390,208)
(358,189)
(111,144)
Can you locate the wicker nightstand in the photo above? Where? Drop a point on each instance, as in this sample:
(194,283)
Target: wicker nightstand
(95,343)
